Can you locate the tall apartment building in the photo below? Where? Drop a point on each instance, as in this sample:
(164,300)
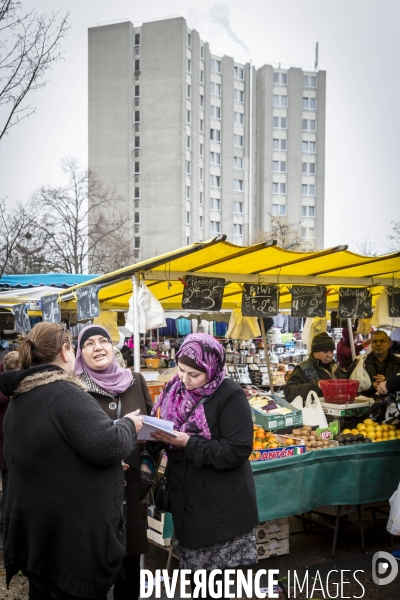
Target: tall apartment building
(198,144)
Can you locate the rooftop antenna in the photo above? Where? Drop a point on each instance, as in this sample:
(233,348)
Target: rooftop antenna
(316,56)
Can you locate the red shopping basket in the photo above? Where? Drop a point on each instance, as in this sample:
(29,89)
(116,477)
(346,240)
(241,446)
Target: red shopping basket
(339,391)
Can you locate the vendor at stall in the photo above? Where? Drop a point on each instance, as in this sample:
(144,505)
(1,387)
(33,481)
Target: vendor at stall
(343,353)
(320,365)
(381,363)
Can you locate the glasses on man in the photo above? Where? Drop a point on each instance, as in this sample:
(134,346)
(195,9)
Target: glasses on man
(90,344)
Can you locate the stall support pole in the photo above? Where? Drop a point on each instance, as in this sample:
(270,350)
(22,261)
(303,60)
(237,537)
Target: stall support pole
(351,338)
(271,384)
(136,334)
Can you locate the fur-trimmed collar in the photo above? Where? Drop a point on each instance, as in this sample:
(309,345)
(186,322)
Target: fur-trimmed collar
(32,381)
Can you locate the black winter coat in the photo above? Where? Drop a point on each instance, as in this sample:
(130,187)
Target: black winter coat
(306,375)
(388,367)
(135,397)
(64,524)
(210,482)
(4,402)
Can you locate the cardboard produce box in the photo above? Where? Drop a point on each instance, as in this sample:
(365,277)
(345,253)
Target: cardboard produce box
(272,421)
(264,534)
(281,451)
(273,547)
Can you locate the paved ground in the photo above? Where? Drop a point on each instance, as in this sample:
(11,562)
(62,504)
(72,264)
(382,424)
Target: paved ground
(309,552)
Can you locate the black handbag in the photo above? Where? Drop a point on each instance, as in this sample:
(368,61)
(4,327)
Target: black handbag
(161,496)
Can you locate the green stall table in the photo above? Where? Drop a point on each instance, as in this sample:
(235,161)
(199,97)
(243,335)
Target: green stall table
(354,475)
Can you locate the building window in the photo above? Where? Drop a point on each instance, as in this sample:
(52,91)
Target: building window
(201,198)
(137,141)
(137,116)
(189,40)
(201,100)
(238,185)
(137,168)
(237,230)
(309,125)
(188,116)
(279,189)
(308,147)
(215,66)
(308,168)
(215,182)
(201,125)
(215,204)
(201,150)
(136,218)
(215,159)
(238,208)
(137,64)
(308,190)
(215,112)
(215,135)
(200,222)
(201,51)
(187,191)
(238,141)
(238,118)
(137,91)
(238,163)
(280,78)
(189,66)
(279,122)
(238,96)
(279,145)
(137,193)
(188,142)
(187,218)
(279,101)
(188,167)
(309,104)
(201,173)
(187,240)
(279,166)
(238,73)
(278,210)
(215,89)
(309,82)
(137,39)
(137,243)
(201,76)
(188,91)
(137,204)
(215,227)
(308,233)
(308,212)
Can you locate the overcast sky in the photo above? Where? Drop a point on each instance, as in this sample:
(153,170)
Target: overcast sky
(359,47)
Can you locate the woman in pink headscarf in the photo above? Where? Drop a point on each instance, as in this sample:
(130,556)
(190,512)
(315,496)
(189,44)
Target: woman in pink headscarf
(119,391)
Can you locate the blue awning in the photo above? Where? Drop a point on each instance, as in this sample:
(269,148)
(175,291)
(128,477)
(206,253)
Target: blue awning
(59,280)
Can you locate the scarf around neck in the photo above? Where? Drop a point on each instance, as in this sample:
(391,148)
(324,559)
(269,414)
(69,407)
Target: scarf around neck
(180,405)
(113,379)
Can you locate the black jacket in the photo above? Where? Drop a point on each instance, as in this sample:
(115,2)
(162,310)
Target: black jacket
(306,375)
(63,521)
(210,482)
(393,384)
(388,367)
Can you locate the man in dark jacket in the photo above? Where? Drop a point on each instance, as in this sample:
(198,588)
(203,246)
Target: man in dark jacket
(319,365)
(381,363)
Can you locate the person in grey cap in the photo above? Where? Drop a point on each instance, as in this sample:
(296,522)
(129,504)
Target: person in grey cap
(320,365)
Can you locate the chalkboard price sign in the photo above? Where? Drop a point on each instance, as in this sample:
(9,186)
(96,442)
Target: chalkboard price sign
(22,322)
(260,300)
(394,301)
(354,303)
(50,309)
(88,302)
(308,301)
(7,321)
(203,293)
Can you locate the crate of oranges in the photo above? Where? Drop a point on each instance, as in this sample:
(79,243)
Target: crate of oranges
(268,445)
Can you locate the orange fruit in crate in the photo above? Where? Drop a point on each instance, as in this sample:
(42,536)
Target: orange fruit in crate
(257,446)
(290,442)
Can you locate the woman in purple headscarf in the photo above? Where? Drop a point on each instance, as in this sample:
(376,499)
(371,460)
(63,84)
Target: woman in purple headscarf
(210,481)
(119,391)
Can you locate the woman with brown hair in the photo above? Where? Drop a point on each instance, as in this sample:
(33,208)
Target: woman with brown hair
(64,527)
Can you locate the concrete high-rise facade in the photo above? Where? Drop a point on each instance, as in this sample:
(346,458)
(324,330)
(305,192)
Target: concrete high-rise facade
(198,145)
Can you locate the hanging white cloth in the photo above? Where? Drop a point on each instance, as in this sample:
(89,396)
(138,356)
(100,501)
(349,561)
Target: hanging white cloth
(151,313)
(312,327)
(381,317)
(242,328)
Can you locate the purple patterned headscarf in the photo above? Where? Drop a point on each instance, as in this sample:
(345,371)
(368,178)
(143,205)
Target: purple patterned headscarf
(176,402)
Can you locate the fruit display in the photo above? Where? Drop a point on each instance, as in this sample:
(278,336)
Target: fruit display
(264,440)
(313,440)
(370,431)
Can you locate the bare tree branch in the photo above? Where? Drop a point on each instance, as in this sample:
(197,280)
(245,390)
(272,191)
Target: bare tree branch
(29,46)
(394,238)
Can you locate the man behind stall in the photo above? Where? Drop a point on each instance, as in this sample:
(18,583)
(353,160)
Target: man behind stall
(320,365)
(381,363)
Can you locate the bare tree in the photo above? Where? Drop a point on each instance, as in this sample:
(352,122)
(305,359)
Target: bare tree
(367,248)
(16,226)
(286,234)
(394,237)
(29,46)
(62,217)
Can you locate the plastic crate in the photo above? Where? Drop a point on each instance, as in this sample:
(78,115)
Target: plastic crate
(339,391)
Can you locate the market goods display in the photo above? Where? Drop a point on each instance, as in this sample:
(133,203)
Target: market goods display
(312,439)
(368,430)
(266,439)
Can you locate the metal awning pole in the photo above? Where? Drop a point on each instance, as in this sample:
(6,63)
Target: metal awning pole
(351,338)
(264,339)
(136,334)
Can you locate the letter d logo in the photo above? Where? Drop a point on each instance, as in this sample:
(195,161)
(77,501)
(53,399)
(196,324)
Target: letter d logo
(382,568)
